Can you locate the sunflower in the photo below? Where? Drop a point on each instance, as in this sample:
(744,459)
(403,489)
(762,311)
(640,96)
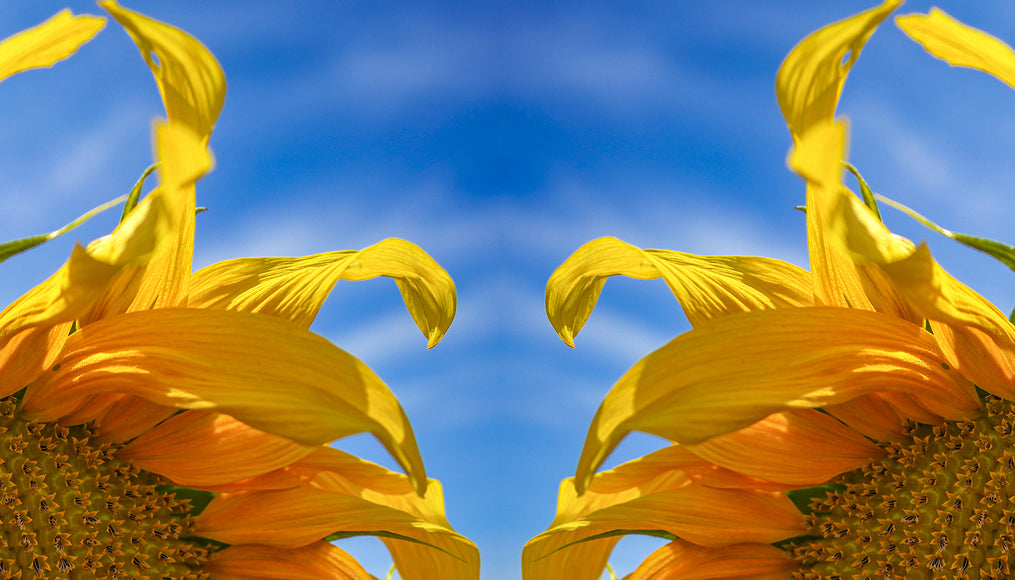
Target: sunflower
(854,421)
(158,423)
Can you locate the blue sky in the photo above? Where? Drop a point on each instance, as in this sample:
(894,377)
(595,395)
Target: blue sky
(500,137)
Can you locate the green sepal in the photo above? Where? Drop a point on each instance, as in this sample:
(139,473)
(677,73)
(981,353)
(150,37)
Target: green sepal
(135,193)
(390,535)
(1000,252)
(17,246)
(199,499)
(803,497)
(869,197)
(654,533)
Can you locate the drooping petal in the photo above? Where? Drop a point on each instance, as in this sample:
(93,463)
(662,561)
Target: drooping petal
(317,561)
(680,560)
(976,337)
(700,514)
(666,470)
(202,448)
(811,77)
(190,80)
(46,44)
(266,372)
(296,517)
(801,447)
(681,393)
(295,288)
(706,286)
(960,44)
(69,292)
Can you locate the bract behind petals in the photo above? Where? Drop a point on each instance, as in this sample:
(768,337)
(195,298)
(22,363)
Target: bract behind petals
(190,80)
(706,286)
(295,288)
(680,393)
(266,372)
(959,44)
(686,561)
(45,44)
(317,561)
(811,77)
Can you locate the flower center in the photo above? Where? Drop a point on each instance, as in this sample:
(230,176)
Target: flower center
(68,507)
(939,506)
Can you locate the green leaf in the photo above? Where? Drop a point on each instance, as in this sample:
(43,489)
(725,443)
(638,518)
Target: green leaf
(391,535)
(803,497)
(135,193)
(17,246)
(1001,252)
(865,190)
(654,533)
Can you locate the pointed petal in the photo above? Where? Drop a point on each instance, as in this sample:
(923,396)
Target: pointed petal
(680,392)
(686,561)
(27,354)
(69,292)
(706,286)
(264,371)
(872,416)
(129,417)
(317,561)
(976,337)
(703,515)
(190,80)
(960,44)
(801,447)
(295,288)
(46,44)
(296,517)
(202,448)
(655,475)
(811,77)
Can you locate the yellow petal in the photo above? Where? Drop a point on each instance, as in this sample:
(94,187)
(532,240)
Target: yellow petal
(686,561)
(317,561)
(706,286)
(164,280)
(703,515)
(801,447)
(296,517)
(266,372)
(73,289)
(27,354)
(734,371)
(977,337)
(190,80)
(295,288)
(960,44)
(202,448)
(45,44)
(811,77)
(662,472)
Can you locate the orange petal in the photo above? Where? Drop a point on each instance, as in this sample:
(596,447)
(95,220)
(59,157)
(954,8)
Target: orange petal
(706,286)
(872,416)
(680,560)
(800,447)
(317,561)
(266,372)
(692,389)
(45,44)
(202,448)
(129,417)
(27,354)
